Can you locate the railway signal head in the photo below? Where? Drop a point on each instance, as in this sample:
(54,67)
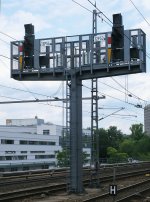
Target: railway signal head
(117,38)
(29,39)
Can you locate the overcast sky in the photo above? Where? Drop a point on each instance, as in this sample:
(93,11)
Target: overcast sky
(53,18)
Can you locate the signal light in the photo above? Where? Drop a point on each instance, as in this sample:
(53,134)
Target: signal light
(43,61)
(134,53)
(117,38)
(29,29)
(117,20)
(29,46)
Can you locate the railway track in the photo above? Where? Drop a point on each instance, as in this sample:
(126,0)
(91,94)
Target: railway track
(123,194)
(50,180)
(24,177)
(36,173)
(59,187)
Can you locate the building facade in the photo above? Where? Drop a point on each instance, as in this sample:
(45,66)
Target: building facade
(27,144)
(147,119)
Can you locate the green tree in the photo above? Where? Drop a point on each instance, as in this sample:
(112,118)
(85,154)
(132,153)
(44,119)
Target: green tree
(63,159)
(115,156)
(111,151)
(137,131)
(128,146)
(115,136)
(103,142)
(143,145)
(109,138)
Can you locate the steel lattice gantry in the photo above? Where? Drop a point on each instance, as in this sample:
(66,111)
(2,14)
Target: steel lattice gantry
(74,56)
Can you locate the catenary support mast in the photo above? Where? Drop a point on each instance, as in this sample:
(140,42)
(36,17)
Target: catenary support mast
(94,107)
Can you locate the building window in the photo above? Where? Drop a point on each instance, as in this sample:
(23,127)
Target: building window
(14,169)
(32,142)
(45,166)
(22,157)
(46,132)
(37,142)
(23,152)
(10,158)
(2,158)
(23,142)
(44,156)
(3,141)
(10,152)
(52,143)
(25,168)
(2,170)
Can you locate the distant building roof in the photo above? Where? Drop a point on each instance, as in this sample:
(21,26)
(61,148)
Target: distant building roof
(24,122)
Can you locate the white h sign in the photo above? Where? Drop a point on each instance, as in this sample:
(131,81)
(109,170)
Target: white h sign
(113,189)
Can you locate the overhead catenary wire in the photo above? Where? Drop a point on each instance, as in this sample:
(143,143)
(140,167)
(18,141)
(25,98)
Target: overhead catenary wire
(98,14)
(111,114)
(130,93)
(139,12)
(100,11)
(111,87)
(128,103)
(27,91)
(127,92)
(104,94)
(82,6)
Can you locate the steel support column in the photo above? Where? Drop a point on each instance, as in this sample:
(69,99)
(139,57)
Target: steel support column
(76,184)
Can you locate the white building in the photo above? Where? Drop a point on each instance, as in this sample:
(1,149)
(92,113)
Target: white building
(30,144)
(147,119)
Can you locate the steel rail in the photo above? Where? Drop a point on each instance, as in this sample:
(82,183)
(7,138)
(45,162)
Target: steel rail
(142,186)
(30,192)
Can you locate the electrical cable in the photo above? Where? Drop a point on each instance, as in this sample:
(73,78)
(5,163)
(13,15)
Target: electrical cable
(104,94)
(29,90)
(4,56)
(82,6)
(91,11)
(128,90)
(111,114)
(140,12)
(24,90)
(111,86)
(100,11)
